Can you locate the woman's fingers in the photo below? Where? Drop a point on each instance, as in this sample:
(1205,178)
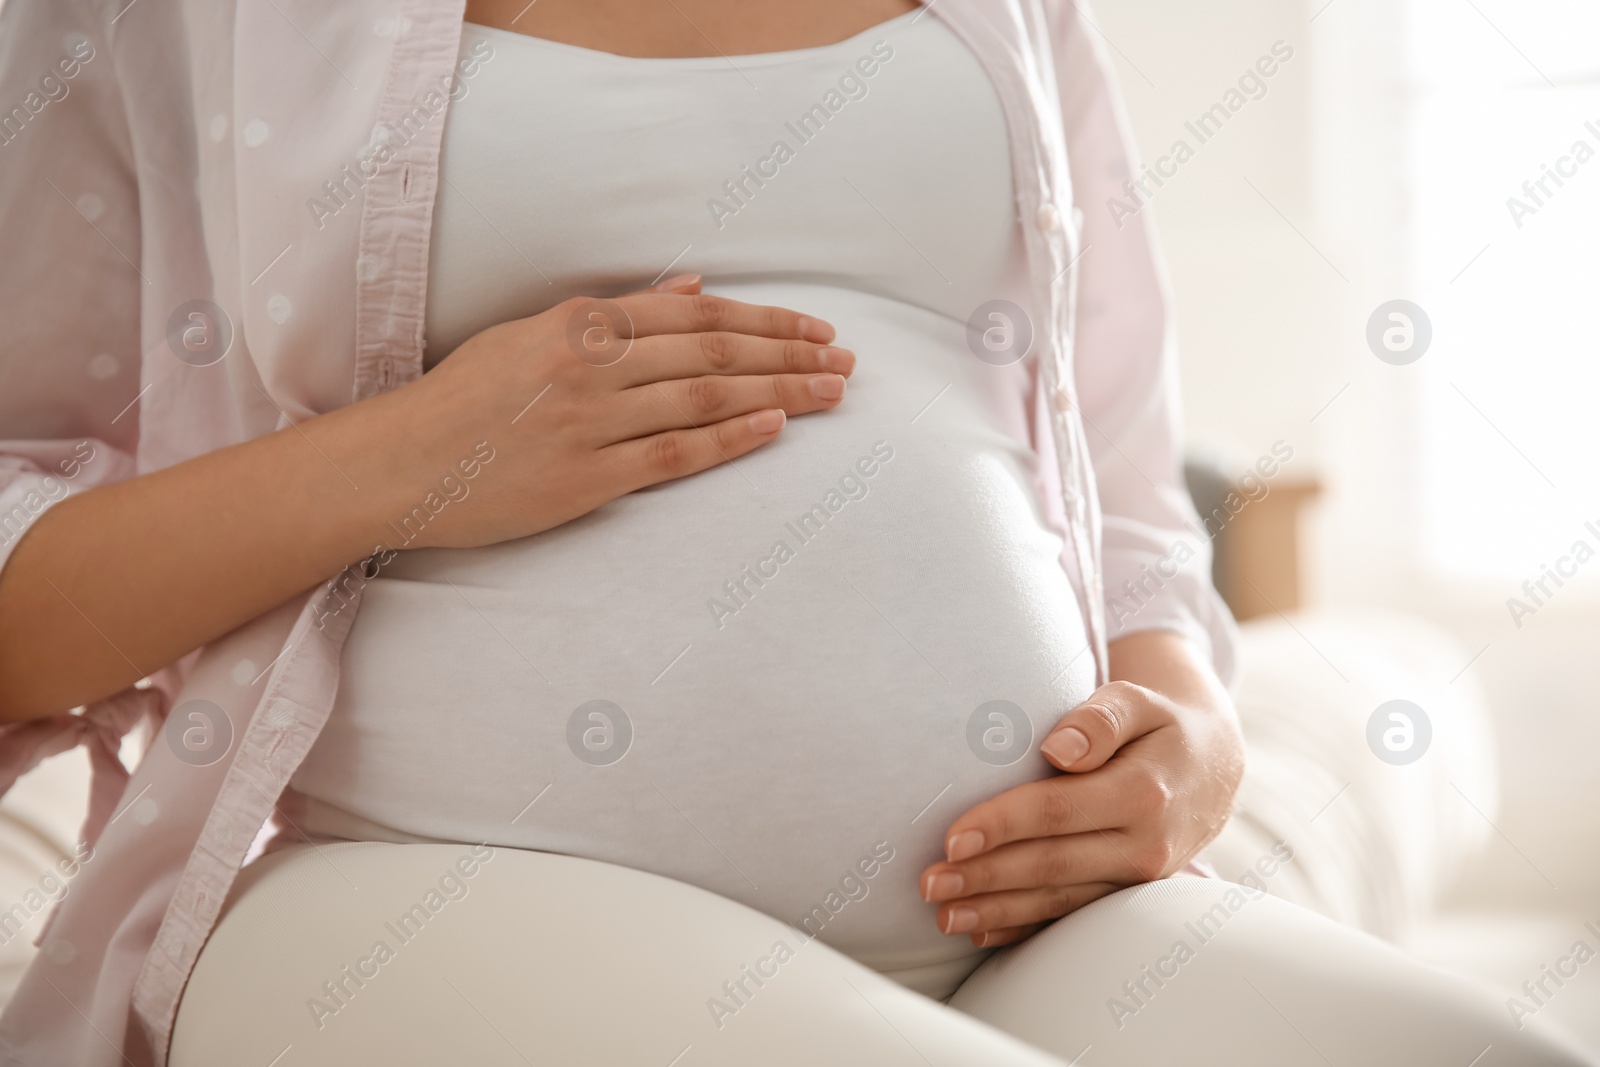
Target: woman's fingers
(1114,717)
(666,357)
(1065,804)
(682,284)
(651,313)
(1033,864)
(979,915)
(1010,935)
(657,336)
(662,457)
(1091,733)
(689,402)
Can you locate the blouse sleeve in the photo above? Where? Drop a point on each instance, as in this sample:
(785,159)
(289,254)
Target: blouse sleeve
(1156,555)
(70,355)
(69,287)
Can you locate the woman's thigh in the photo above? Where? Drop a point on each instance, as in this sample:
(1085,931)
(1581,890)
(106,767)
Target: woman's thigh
(1197,971)
(429,954)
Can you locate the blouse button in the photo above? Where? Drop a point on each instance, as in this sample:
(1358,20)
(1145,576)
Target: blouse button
(1048,218)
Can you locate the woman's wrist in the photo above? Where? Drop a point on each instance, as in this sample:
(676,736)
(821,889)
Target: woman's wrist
(398,464)
(361,473)
(1170,663)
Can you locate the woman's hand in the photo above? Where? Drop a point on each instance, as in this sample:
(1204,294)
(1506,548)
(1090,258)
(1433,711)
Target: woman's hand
(1152,761)
(594,399)
(118,581)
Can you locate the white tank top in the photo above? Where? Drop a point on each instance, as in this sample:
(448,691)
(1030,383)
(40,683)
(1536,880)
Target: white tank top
(777,676)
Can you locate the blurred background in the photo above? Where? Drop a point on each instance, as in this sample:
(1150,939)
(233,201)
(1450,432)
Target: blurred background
(1403,151)
(1378,165)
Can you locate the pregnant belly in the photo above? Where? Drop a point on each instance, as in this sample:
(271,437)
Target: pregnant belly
(779,680)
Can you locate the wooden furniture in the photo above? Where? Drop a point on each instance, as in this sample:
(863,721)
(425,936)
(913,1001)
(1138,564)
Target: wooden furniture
(1257,552)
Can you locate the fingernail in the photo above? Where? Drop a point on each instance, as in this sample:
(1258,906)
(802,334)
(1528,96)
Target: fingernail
(943,886)
(826,386)
(678,281)
(838,360)
(963,845)
(767,422)
(1066,746)
(960,921)
(815,330)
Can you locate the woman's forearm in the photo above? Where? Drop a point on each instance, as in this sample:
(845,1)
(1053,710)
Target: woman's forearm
(115,583)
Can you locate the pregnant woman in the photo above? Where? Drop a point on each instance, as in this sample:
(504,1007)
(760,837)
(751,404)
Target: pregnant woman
(714,670)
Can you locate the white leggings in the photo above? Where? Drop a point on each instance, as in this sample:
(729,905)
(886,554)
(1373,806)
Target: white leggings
(427,954)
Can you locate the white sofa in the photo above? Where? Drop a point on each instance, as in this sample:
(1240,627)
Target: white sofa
(1378,846)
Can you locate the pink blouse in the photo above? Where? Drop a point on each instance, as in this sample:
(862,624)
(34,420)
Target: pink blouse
(216,221)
